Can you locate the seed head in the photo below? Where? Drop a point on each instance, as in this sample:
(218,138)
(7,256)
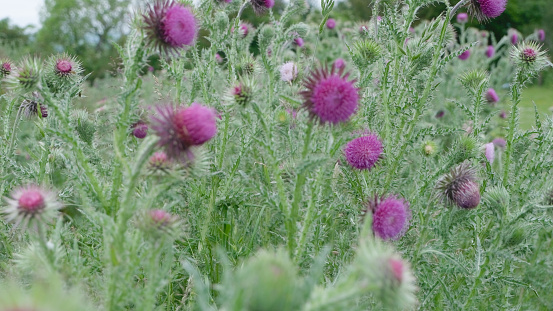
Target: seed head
(490,51)
(330,23)
(390,217)
(491,96)
(459,187)
(170,26)
(288,72)
(484,10)
(362,153)
(183,127)
(330,96)
(31,204)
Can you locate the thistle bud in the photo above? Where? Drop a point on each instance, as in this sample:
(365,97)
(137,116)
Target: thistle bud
(529,57)
(366,52)
(459,187)
(157,223)
(430,148)
(26,77)
(5,68)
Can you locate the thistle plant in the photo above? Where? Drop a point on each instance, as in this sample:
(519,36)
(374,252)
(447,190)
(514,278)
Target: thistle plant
(358,168)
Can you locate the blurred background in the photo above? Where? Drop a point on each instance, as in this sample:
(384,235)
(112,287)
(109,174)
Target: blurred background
(88,29)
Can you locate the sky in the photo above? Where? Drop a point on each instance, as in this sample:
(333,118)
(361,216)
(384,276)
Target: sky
(21,12)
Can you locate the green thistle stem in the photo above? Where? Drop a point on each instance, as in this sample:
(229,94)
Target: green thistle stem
(513,124)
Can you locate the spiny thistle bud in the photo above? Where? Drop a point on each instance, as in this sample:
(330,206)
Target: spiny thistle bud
(266,281)
(266,35)
(389,276)
(183,127)
(363,152)
(170,26)
(490,51)
(390,217)
(299,30)
(159,161)
(262,6)
(62,72)
(366,52)
(5,68)
(31,109)
(484,10)
(430,148)
(158,222)
(31,204)
(460,187)
(529,56)
(140,129)
(242,92)
(472,80)
(491,96)
(247,66)
(288,72)
(26,77)
(330,96)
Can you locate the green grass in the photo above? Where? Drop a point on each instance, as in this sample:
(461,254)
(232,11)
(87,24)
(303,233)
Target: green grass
(542,97)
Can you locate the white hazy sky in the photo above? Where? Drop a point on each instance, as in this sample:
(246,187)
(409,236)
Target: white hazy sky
(21,12)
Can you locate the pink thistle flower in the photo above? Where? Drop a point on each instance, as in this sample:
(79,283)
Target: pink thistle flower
(339,63)
(462,18)
(529,55)
(5,68)
(157,223)
(459,187)
(218,58)
(503,114)
(465,55)
(298,41)
(411,30)
(244,29)
(491,96)
(490,152)
(158,161)
(483,10)
(362,153)
(64,67)
(140,129)
(397,268)
(514,38)
(390,217)
(262,6)
(330,96)
(288,72)
(170,25)
(490,51)
(541,35)
(31,204)
(499,142)
(331,23)
(440,114)
(181,128)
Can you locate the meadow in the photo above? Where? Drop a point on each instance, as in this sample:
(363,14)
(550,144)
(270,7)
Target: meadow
(307,163)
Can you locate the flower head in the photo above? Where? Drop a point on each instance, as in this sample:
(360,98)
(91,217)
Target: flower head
(462,18)
(465,55)
(489,152)
(491,96)
(140,129)
(440,114)
(330,23)
(362,153)
(170,25)
(529,56)
(330,96)
(26,77)
(242,92)
(390,217)
(158,222)
(490,51)
(514,38)
(484,10)
(31,108)
(459,187)
(183,127)
(503,114)
(288,72)
(159,161)
(298,41)
(62,72)
(499,142)
(5,68)
(31,204)
(262,6)
(218,58)
(541,35)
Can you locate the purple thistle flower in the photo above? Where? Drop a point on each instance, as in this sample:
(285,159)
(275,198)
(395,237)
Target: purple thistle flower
(262,6)
(491,96)
(140,129)
(218,58)
(459,187)
(514,38)
(29,204)
(157,223)
(490,51)
(503,114)
(499,142)
(541,35)
(330,23)
(529,55)
(170,25)
(5,68)
(181,128)
(339,63)
(31,108)
(390,217)
(330,96)
(465,55)
(462,18)
(397,267)
(490,152)
(298,41)
(483,10)
(440,114)
(159,161)
(244,29)
(362,153)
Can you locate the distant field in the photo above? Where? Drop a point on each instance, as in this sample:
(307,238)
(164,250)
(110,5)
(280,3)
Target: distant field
(542,96)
